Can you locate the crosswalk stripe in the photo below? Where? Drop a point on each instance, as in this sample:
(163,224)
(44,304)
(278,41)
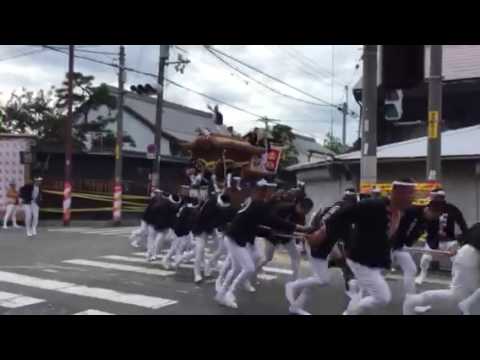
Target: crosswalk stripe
(107,232)
(262,276)
(13,301)
(277,270)
(124,258)
(266,277)
(121,267)
(93,312)
(273,270)
(139,260)
(72,229)
(99,231)
(145,301)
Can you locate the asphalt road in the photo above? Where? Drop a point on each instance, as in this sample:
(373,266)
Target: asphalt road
(91,269)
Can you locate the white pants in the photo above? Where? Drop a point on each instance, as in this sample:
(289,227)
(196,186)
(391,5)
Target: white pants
(463,288)
(371,281)
(426,259)
(186,249)
(200,242)
(154,241)
(293,253)
(31,217)
(221,250)
(242,266)
(409,269)
(320,277)
(175,247)
(141,233)
(10,212)
(226,266)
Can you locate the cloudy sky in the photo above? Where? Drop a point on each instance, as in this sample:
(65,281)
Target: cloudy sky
(310,68)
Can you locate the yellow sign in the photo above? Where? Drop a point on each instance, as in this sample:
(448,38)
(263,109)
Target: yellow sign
(433,124)
(422,190)
(117,152)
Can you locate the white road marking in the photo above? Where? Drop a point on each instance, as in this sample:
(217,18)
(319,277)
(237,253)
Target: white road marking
(50,270)
(121,267)
(277,270)
(93,312)
(266,277)
(107,232)
(124,231)
(68,230)
(139,260)
(125,258)
(13,301)
(145,301)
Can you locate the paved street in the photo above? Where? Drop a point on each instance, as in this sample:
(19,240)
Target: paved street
(92,270)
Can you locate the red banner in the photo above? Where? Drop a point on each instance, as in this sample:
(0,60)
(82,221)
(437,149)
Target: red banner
(273,159)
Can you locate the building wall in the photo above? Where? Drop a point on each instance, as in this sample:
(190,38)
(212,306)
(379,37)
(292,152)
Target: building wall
(321,188)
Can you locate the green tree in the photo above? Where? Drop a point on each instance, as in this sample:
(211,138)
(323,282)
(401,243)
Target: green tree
(334,144)
(43,113)
(283,136)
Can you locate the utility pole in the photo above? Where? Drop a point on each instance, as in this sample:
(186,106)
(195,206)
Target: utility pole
(267,121)
(434,147)
(368,162)
(345,113)
(67,187)
(118,187)
(164,53)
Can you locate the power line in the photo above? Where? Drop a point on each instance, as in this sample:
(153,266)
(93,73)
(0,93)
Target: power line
(155,76)
(31,52)
(81,56)
(312,63)
(170,81)
(97,52)
(261,83)
(269,76)
(305,65)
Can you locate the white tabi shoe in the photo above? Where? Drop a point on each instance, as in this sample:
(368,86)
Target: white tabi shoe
(248,287)
(289,294)
(297,311)
(420,279)
(464,308)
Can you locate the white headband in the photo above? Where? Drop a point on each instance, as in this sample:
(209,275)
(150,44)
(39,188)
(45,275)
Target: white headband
(172,200)
(265,183)
(221,203)
(401,183)
(438,193)
(348,192)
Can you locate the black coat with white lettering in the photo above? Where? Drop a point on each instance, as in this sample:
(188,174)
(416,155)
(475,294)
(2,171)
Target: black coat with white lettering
(472,236)
(322,251)
(185,220)
(210,217)
(412,225)
(148,209)
(162,214)
(254,213)
(369,244)
(446,222)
